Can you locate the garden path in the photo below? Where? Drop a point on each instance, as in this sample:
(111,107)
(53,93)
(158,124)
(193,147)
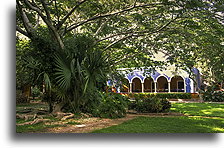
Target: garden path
(90,124)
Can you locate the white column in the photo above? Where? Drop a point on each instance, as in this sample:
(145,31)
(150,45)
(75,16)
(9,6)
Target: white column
(169,87)
(130,85)
(142,87)
(155,83)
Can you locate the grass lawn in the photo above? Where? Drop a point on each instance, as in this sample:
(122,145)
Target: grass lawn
(199,109)
(167,125)
(200,118)
(207,118)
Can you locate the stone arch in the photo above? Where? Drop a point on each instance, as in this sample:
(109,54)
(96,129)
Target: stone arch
(162,83)
(162,75)
(177,84)
(136,84)
(149,84)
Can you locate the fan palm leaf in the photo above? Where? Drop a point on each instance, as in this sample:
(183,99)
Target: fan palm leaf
(63,74)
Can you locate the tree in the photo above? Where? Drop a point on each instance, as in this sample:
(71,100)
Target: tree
(120,31)
(198,42)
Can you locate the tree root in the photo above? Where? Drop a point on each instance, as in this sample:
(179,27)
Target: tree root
(64,116)
(35,121)
(68,117)
(26,116)
(39,118)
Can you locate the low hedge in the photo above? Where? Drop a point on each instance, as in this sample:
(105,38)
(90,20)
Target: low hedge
(160,95)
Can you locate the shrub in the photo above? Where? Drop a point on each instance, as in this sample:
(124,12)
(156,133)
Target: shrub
(150,105)
(112,105)
(166,105)
(214,96)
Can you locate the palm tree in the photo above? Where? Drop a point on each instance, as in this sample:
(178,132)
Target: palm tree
(78,70)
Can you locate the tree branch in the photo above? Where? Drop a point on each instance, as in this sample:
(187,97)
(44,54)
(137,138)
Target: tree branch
(48,22)
(100,28)
(22,31)
(73,26)
(68,14)
(26,23)
(46,9)
(135,34)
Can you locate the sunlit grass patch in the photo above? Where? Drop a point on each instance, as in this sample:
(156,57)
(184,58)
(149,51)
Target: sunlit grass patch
(167,125)
(199,109)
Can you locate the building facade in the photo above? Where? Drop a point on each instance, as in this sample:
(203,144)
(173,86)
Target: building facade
(169,80)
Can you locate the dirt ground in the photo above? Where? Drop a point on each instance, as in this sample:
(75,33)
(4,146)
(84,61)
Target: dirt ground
(90,124)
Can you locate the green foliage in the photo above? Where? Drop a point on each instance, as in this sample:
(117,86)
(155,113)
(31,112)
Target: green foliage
(79,69)
(35,92)
(21,98)
(166,105)
(161,95)
(213,96)
(174,95)
(76,49)
(150,105)
(24,75)
(112,105)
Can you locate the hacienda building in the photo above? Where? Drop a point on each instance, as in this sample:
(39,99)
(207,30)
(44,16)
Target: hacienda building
(156,81)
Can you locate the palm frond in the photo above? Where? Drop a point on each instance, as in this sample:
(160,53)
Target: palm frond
(63,74)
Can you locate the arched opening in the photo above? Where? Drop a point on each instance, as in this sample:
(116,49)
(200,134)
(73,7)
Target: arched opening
(177,84)
(124,85)
(136,85)
(162,84)
(149,85)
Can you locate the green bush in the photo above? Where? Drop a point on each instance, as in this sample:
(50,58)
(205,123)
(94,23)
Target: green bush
(166,105)
(150,105)
(112,105)
(213,96)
